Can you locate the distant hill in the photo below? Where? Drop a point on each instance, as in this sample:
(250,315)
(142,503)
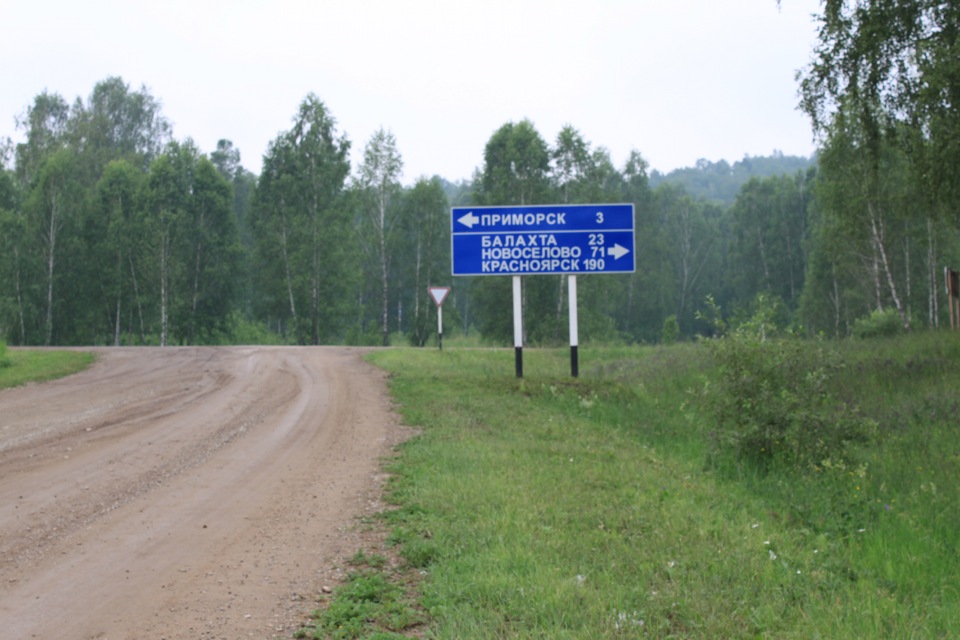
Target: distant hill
(721,181)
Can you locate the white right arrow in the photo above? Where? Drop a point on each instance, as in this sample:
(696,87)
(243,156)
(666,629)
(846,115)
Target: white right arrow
(468,220)
(617,251)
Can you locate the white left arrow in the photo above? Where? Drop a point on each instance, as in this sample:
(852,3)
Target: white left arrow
(468,220)
(617,251)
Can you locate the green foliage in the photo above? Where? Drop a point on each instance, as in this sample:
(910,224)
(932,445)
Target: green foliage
(773,404)
(378,188)
(516,166)
(149,242)
(248,332)
(721,181)
(304,269)
(4,360)
(877,93)
(879,324)
(890,66)
(371,604)
(427,261)
(769,225)
(192,239)
(690,252)
(671,330)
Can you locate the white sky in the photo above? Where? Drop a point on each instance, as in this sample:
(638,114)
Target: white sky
(678,80)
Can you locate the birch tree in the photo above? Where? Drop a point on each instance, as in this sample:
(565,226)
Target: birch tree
(55,201)
(303,237)
(117,193)
(427,237)
(379,183)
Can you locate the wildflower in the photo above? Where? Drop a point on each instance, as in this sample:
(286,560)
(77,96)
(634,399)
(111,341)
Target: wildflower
(623,619)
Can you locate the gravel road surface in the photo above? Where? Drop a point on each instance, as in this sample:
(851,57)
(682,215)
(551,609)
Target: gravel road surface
(186,493)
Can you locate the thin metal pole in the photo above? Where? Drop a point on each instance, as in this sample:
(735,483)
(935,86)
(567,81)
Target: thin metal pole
(440,328)
(574,326)
(518,325)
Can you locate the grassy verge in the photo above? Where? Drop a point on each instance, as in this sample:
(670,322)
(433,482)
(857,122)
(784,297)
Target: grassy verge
(552,507)
(24,365)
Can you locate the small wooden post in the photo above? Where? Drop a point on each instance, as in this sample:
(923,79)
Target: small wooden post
(955,297)
(952,279)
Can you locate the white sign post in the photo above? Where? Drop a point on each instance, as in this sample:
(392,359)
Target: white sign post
(518,325)
(574,326)
(439,294)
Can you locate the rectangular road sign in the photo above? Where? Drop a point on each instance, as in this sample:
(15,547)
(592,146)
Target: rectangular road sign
(542,239)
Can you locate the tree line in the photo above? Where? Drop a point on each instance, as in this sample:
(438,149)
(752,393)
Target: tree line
(112,232)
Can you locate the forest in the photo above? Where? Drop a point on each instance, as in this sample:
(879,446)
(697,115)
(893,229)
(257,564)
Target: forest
(112,232)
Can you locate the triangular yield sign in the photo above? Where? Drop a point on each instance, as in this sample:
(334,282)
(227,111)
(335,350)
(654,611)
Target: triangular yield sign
(439,294)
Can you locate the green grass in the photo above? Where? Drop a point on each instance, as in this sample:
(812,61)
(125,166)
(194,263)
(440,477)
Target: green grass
(371,598)
(549,507)
(25,365)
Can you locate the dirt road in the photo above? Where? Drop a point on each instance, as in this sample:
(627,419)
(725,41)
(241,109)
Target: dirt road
(186,493)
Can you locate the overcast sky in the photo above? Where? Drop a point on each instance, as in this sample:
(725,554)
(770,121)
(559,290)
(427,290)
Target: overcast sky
(677,80)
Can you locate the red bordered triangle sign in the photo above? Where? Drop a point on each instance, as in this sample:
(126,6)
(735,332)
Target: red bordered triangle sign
(439,294)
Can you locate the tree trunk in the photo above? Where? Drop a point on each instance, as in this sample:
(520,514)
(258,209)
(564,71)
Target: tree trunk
(417,288)
(164,240)
(23,326)
(384,283)
(51,260)
(286,263)
(932,310)
(315,251)
(196,296)
(906,270)
(116,324)
(875,273)
(196,280)
(763,259)
(136,293)
(876,227)
(836,302)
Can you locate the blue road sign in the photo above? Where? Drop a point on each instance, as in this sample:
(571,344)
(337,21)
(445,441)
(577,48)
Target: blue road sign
(542,239)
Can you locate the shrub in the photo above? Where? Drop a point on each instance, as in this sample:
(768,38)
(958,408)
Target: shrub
(879,324)
(671,330)
(774,408)
(4,359)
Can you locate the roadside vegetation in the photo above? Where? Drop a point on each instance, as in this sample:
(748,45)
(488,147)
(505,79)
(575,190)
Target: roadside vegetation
(19,367)
(752,485)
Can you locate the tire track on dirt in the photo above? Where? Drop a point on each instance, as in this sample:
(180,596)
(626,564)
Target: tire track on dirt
(184,493)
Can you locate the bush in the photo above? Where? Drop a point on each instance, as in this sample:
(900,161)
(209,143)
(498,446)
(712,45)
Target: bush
(879,324)
(4,359)
(671,330)
(774,407)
